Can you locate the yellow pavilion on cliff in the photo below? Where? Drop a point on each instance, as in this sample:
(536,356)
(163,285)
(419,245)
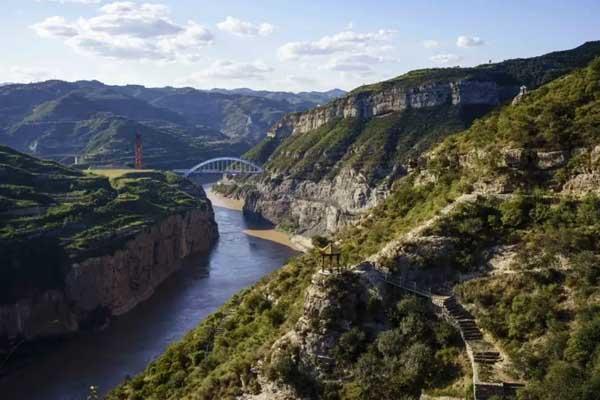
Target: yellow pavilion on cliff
(330,258)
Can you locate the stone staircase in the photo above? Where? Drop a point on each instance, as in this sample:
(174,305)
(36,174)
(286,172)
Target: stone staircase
(481,353)
(465,321)
(487,357)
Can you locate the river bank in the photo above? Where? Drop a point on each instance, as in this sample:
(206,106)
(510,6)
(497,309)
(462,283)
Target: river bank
(294,242)
(105,358)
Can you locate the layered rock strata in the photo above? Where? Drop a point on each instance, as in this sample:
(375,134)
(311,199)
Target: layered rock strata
(111,284)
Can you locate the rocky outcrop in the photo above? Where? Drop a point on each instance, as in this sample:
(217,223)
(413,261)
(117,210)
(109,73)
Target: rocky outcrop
(323,207)
(398,98)
(119,281)
(310,208)
(583,184)
(112,284)
(44,315)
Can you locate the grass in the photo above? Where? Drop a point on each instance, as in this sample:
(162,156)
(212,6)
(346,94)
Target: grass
(117,173)
(557,346)
(69,214)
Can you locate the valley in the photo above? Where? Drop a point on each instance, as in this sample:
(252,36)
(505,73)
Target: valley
(497,222)
(105,357)
(92,124)
(430,234)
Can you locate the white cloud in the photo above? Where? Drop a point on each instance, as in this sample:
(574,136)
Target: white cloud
(228,70)
(303,81)
(27,74)
(342,42)
(55,27)
(72,1)
(445,58)
(431,44)
(355,63)
(469,41)
(131,31)
(243,28)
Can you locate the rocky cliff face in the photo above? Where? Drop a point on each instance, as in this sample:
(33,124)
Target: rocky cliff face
(114,283)
(331,162)
(369,105)
(310,208)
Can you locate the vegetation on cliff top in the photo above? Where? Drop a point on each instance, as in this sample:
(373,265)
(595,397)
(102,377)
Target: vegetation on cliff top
(543,311)
(374,147)
(180,126)
(49,212)
(532,72)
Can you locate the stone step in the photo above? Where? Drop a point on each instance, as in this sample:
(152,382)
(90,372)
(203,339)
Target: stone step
(473,337)
(469,328)
(486,391)
(510,389)
(486,359)
(487,354)
(486,362)
(457,311)
(460,313)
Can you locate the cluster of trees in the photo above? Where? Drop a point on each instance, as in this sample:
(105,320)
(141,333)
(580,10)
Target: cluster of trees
(545,315)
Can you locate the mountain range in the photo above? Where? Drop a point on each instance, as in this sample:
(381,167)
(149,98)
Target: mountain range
(326,166)
(180,126)
(474,276)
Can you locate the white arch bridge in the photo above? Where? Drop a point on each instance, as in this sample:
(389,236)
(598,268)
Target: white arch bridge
(224,165)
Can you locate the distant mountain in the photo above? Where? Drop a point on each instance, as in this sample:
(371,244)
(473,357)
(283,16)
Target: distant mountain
(180,126)
(326,165)
(501,221)
(318,98)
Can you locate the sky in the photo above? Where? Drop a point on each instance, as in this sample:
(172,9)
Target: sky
(276,44)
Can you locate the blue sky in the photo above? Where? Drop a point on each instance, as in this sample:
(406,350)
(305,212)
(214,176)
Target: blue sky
(276,45)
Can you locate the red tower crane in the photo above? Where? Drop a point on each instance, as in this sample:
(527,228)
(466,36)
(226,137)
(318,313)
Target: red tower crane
(139,155)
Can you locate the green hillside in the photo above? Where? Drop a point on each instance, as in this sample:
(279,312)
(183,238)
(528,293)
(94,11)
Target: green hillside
(49,213)
(374,146)
(180,126)
(495,185)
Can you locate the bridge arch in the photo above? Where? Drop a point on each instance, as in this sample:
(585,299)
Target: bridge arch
(226,165)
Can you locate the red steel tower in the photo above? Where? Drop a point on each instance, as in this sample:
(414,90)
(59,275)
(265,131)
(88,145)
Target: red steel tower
(139,156)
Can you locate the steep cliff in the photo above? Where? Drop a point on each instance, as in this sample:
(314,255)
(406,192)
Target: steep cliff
(327,165)
(181,126)
(77,248)
(496,230)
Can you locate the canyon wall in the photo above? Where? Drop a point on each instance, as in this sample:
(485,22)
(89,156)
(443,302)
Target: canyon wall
(372,104)
(112,284)
(313,208)
(309,208)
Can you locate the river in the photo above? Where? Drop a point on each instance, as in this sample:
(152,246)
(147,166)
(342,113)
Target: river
(104,358)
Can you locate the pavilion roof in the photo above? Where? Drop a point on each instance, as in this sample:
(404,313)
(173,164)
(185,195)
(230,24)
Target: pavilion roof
(330,250)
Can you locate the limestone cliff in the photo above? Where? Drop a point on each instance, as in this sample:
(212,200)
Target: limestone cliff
(327,165)
(114,283)
(373,104)
(310,206)
(78,247)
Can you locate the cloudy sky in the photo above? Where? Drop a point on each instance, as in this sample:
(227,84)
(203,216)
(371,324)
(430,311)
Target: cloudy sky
(276,44)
